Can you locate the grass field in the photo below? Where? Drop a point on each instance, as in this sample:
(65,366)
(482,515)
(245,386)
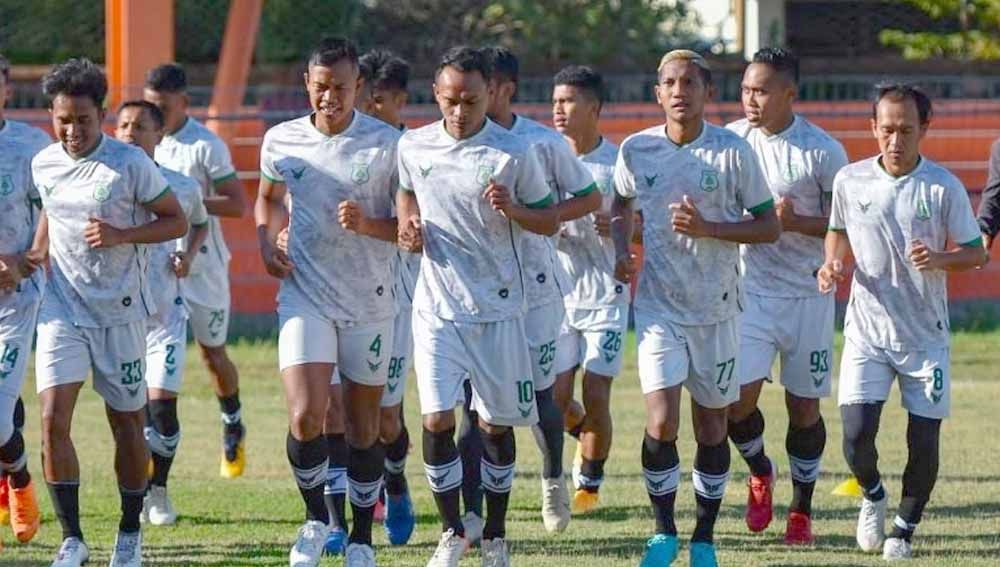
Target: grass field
(252,520)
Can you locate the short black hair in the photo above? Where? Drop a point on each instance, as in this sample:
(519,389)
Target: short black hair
(503,61)
(332,49)
(153,110)
(4,68)
(167,78)
(76,77)
(584,78)
(903,91)
(780,59)
(384,70)
(466,60)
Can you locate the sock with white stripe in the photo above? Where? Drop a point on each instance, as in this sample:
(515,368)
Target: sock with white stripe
(662,468)
(364,474)
(805,452)
(14,461)
(309,464)
(748,436)
(335,488)
(499,452)
(590,475)
(443,468)
(163,434)
(395,464)
(710,475)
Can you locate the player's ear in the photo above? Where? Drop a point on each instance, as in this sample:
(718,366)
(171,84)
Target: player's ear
(305,79)
(710,92)
(874,124)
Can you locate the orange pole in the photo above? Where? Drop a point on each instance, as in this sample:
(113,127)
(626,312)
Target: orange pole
(139,34)
(233,72)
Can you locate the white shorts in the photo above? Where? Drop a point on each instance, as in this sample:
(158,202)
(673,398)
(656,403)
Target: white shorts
(867,374)
(800,330)
(210,326)
(360,351)
(702,357)
(16,331)
(494,356)
(402,358)
(166,349)
(542,325)
(592,338)
(65,354)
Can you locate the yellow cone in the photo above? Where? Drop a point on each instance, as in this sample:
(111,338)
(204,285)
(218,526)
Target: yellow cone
(849,488)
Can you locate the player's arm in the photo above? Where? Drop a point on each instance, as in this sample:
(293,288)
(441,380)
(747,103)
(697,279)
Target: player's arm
(539,217)
(582,204)
(271,216)
(963,257)
(352,217)
(228,200)
(169,224)
(836,246)
(409,232)
(34,257)
(763,226)
(803,224)
(988,215)
(197,235)
(622,228)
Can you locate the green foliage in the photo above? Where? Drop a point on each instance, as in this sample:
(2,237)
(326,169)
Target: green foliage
(47,31)
(977,40)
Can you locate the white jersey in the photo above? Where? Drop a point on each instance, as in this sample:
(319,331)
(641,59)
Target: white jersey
(587,258)
(348,277)
(893,305)
(98,287)
(19,204)
(471,269)
(691,281)
(565,177)
(166,285)
(799,164)
(407,271)
(197,152)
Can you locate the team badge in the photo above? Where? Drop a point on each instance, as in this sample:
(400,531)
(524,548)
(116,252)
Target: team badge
(359,173)
(102,193)
(923,210)
(6,184)
(792,172)
(484,174)
(709,180)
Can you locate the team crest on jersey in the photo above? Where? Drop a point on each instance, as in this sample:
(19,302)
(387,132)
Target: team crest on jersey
(6,184)
(102,193)
(359,173)
(709,180)
(484,174)
(791,172)
(923,210)
(863,205)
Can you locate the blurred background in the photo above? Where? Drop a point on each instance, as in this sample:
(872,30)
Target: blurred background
(245,61)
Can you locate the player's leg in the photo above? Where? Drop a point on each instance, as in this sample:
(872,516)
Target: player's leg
(210,328)
(865,379)
(663,367)
(399,517)
(16,331)
(470,448)
(335,488)
(805,442)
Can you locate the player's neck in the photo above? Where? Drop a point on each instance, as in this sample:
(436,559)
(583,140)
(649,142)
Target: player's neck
(330,128)
(902,169)
(682,133)
(175,128)
(584,142)
(86,152)
(778,125)
(505,118)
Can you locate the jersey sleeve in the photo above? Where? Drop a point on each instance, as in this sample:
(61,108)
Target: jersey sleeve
(624,180)
(962,226)
(267,166)
(393,159)
(199,214)
(403,177)
(572,177)
(530,187)
(750,183)
(834,158)
(149,183)
(217,161)
(838,212)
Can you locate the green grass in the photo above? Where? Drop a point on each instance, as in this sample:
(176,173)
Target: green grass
(252,520)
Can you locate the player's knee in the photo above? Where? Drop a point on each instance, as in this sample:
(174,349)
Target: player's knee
(55,424)
(439,422)
(362,433)
(491,429)
(802,412)
(390,426)
(127,426)
(215,358)
(597,397)
(305,424)
(661,428)
(922,436)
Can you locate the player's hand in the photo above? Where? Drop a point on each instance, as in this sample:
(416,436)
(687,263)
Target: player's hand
(688,220)
(351,217)
(602,223)
(987,241)
(923,258)
(181,263)
(282,241)
(829,275)
(637,222)
(626,267)
(100,234)
(31,260)
(277,262)
(498,197)
(410,235)
(786,214)
(10,274)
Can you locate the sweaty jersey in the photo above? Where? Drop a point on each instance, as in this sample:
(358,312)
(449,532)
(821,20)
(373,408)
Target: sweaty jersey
(197,152)
(19,206)
(588,258)
(893,305)
(98,287)
(565,177)
(166,286)
(799,164)
(472,266)
(348,277)
(691,281)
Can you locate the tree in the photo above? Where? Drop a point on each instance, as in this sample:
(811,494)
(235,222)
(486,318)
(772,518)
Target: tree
(977,39)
